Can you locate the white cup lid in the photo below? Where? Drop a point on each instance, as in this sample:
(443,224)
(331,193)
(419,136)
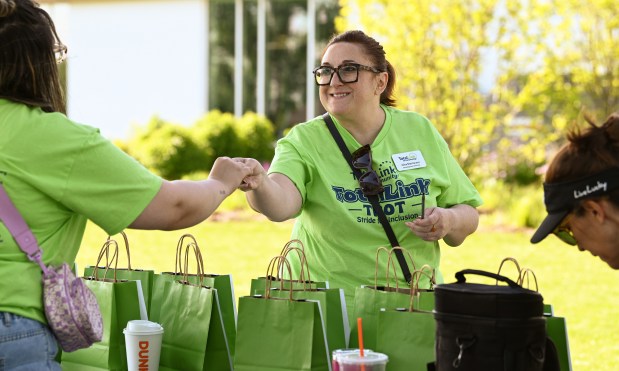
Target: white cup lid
(372,358)
(143,327)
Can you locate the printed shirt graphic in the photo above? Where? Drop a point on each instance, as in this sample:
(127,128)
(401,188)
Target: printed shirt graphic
(337,224)
(59,174)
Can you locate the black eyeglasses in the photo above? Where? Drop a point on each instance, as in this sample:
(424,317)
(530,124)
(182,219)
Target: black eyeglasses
(564,232)
(60,52)
(348,72)
(370,182)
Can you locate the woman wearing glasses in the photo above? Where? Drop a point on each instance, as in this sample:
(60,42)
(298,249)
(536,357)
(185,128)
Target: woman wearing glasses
(59,174)
(400,156)
(581,192)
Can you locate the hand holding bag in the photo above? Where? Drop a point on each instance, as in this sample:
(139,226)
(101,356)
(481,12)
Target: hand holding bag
(71,308)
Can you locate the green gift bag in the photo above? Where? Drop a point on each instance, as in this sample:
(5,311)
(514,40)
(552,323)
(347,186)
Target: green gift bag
(370,300)
(119,301)
(407,335)
(194,336)
(258,285)
(280,334)
(556,330)
(556,327)
(145,276)
(221,282)
(333,308)
(190,313)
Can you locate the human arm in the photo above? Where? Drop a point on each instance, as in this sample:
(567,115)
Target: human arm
(273,195)
(452,224)
(184,203)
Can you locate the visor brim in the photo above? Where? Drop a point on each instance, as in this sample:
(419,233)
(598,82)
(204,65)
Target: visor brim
(550,223)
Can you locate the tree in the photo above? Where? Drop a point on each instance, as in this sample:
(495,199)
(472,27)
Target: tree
(547,61)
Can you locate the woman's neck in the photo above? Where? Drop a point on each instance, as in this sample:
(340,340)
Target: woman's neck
(364,127)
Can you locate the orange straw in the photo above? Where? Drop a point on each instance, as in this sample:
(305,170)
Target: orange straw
(360,331)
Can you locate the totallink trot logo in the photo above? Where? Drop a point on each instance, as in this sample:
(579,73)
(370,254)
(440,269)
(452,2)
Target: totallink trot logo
(143,356)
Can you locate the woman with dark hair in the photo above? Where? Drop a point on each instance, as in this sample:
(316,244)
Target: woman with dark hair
(404,161)
(581,192)
(60,174)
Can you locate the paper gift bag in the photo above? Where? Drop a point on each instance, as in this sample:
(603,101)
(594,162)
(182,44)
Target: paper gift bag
(301,282)
(280,334)
(146,276)
(194,337)
(190,313)
(369,300)
(333,308)
(407,335)
(556,327)
(223,283)
(119,301)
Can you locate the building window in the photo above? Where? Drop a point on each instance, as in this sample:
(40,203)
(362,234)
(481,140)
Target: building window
(274,57)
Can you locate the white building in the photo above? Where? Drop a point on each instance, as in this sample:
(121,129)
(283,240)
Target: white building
(131,59)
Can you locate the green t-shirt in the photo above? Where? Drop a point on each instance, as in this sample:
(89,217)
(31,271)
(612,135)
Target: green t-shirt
(59,174)
(337,224)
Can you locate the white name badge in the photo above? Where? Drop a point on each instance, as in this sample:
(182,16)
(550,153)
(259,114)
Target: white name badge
(408,160)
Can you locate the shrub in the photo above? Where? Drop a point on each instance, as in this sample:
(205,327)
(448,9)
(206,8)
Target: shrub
(166,149)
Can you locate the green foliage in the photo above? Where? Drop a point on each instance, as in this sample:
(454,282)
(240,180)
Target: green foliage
(166,149)
(511,205)
(547,61)
(175,151)
(216,135)
(257,136)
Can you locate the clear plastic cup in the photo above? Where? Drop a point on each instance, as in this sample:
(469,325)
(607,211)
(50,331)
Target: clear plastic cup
(371,361)
(143,344)
(342,352)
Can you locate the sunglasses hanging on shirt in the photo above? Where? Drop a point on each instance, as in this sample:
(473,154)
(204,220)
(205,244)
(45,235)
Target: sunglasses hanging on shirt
(362,159)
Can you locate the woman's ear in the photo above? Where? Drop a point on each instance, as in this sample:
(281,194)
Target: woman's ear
(595,208)
(381,84)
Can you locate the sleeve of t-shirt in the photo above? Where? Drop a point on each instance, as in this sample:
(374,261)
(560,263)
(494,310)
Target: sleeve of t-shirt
(289,162)
(108,186)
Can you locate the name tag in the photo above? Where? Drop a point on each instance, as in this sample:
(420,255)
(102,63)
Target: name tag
(409,160)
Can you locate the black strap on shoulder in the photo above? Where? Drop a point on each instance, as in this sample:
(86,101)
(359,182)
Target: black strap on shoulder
(373,199)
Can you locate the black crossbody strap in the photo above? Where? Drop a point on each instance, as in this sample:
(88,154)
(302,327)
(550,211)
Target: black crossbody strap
(373,199)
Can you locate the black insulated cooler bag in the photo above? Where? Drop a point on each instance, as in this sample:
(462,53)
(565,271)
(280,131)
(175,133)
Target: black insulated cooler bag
(490,327)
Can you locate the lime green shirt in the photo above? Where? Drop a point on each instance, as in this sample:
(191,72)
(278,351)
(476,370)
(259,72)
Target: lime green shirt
(59,174)
(337,224)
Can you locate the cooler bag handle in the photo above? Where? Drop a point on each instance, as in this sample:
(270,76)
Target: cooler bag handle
(461,279)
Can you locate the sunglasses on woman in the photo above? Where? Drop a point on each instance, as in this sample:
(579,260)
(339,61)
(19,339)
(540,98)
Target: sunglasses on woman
(370,181)
(564,232)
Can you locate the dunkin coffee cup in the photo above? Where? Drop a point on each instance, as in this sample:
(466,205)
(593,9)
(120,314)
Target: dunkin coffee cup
(143,344)
(369,362)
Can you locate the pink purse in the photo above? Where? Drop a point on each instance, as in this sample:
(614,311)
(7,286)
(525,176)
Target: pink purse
(71,308)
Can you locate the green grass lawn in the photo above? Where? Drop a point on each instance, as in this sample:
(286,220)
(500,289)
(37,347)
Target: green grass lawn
(581,288)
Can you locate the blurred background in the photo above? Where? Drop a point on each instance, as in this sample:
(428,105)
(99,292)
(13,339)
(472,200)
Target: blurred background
(177,83)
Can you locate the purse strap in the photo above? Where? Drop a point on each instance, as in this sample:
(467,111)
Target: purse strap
(18,228)
(373,199)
